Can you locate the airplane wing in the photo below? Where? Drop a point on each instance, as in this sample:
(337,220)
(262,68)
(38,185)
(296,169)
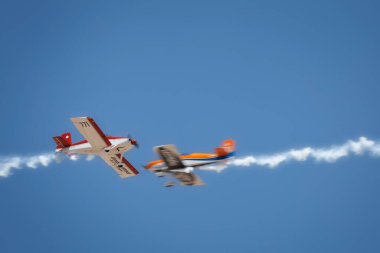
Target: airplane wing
(120,165)
(170,156)
(188,178)
(91,132)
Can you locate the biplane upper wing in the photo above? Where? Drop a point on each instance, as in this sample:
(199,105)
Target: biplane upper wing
(170,156)
(187,178)
(91,132)
(120,165)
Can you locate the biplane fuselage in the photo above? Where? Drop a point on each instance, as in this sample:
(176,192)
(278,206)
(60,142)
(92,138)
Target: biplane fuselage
(192,160)
(182,166)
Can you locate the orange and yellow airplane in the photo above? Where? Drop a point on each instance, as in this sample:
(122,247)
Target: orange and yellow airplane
(182,166)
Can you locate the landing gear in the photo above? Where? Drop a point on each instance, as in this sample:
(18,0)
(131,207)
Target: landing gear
(160,174)
(170,184)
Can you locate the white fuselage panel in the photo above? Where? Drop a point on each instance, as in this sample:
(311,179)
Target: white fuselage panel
(118,146)
(189,163)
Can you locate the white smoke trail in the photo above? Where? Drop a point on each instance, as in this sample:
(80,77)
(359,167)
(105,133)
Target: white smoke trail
(332,154)
(8,164)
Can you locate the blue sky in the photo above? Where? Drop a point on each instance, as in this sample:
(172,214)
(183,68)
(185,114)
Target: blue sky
(273,75)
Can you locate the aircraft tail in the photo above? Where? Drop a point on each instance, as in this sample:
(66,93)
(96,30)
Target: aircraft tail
(63,141)
(227,147)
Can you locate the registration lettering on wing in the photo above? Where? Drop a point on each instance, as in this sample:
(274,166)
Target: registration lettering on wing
(115,163)
(84,124)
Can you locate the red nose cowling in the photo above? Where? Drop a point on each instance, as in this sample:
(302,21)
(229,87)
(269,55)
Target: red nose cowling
(135,143)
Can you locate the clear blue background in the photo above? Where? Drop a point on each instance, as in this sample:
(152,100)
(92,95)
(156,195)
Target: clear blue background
(271,74)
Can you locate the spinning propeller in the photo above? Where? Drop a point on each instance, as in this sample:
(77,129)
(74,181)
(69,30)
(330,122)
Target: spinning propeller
(133,141)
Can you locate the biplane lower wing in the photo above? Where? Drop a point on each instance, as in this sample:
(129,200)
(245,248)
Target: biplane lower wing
(188,178)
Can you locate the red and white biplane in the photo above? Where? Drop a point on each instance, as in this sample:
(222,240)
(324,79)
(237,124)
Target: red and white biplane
(109,148)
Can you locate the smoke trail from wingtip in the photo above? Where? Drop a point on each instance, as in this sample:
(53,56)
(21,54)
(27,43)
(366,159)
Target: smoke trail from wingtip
(332,154)
(8,164)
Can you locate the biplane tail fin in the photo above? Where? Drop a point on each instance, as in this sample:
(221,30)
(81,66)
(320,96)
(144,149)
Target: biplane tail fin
(63,141)
(227,148)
